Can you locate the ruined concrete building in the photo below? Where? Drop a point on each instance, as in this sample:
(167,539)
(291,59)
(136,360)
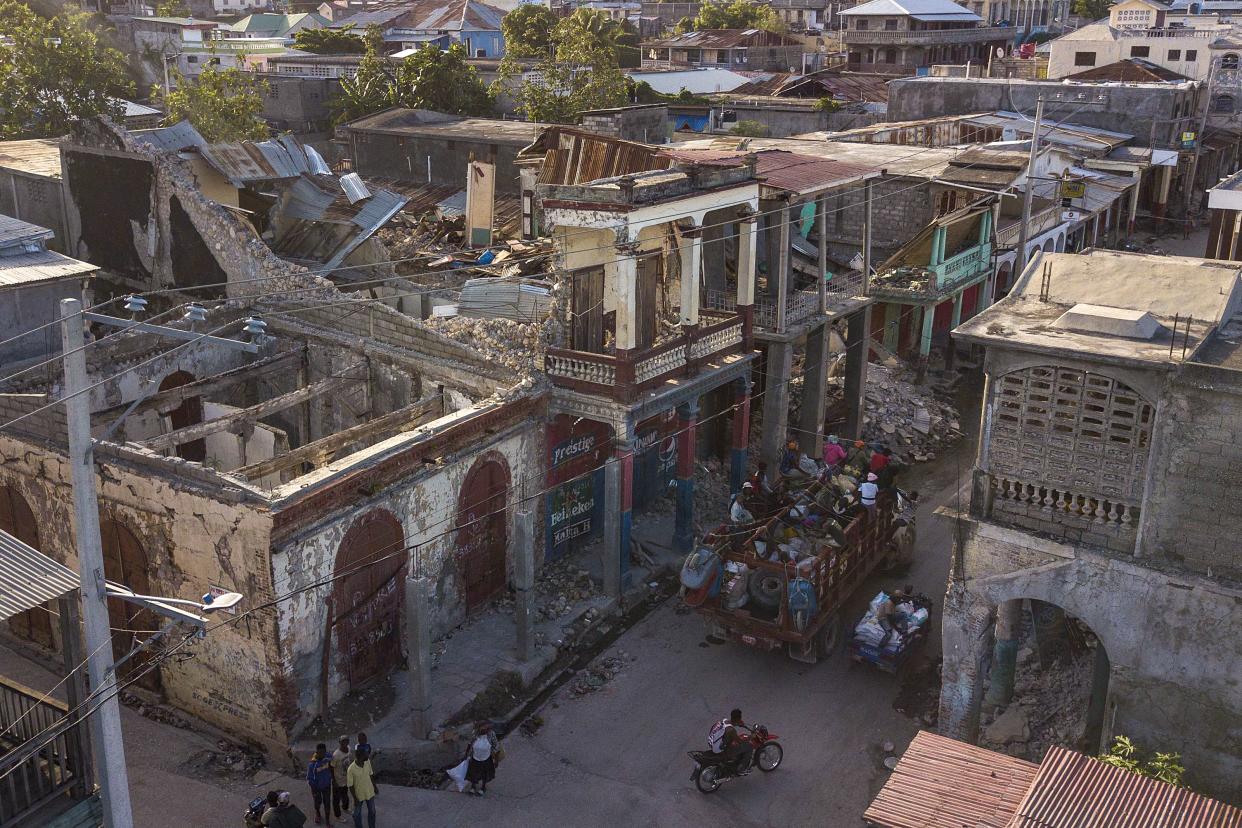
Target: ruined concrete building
(355,448)
(1105,485)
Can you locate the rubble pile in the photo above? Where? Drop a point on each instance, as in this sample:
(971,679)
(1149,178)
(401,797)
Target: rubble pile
(1049,707)
(228,760)
(711,493)
(431,244)
(155,712)
(906,417)
(515,345)
(597,675)
(561,585)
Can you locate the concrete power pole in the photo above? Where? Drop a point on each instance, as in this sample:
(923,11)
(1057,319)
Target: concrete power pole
(1194,163)
(105,723)
(1019,263)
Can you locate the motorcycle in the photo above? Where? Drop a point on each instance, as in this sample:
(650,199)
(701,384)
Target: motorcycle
(709,768)
(253,816)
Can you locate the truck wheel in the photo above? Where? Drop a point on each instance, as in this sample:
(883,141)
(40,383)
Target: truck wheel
(765,589)
(830,636)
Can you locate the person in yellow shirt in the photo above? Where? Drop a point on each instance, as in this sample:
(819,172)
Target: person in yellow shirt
(361,787)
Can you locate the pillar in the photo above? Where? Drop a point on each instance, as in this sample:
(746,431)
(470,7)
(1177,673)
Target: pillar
(776,402)
(747,249)
(964,640)
(814,392)
(857,353)
(691,273)
(925,334)
(1162,192)
(524,582)
(714,234)
(683,532)
(1004,654)
(782,273)
(625,278)
(619,500)
(418,645)
(821,223)
(1093,733)
(741,434)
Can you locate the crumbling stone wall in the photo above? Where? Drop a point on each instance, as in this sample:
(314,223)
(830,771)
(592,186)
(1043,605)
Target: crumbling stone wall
(1170,640)
(899,208)
(426,504)
(198,531)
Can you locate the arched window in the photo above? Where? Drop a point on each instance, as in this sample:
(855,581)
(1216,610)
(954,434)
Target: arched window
(1223,103)
(17,518)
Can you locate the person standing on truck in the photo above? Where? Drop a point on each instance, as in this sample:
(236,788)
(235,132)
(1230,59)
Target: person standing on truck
(834,453)
(867,493)
(881,459)
(857,458)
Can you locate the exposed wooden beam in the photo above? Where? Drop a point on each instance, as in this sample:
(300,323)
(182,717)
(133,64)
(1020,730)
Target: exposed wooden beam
(166,401)
(254,412)
(319,451)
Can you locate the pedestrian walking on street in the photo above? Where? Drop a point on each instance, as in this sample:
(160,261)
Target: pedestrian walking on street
(319,776)
(482,756)
(340,785)
(362,785)
(364,745)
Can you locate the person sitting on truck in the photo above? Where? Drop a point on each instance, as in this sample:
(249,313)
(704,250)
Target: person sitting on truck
(761,481)
(887,616)
(739,505)
(881,459)
(867,493)
(789,460)
(834,453)
(857,459)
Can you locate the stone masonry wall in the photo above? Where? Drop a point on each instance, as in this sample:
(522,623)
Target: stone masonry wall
(896,217)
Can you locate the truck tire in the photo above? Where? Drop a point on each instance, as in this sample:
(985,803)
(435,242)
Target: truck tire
(765,589)
(829,636)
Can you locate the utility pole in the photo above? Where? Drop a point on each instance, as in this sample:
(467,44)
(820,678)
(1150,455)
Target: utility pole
(1019,263)
(1194,163)
(105,722)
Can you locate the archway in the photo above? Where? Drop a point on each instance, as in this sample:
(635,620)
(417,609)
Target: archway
(368,597)
(189,413)
(1060,248)
(125,562)
(1049,244)
(482,532)
(1047,684)
(18,520)
(1002,281)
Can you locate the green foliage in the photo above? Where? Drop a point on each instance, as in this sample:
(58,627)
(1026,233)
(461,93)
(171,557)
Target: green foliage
(827,104)
(1166,767)
(749,129)
(640,92)
(222,104)
(528,31)
(329,41)
(1092,9)
(428,79)
(171,8)
(55,71)
(582,74)
(735,14)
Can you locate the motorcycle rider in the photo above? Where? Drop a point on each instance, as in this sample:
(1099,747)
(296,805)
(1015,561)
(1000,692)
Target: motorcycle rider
(724,738)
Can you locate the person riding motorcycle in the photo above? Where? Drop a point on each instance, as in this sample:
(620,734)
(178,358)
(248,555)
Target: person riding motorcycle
(724,738)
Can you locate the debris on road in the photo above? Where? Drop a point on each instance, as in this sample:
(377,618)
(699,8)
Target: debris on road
(597,675)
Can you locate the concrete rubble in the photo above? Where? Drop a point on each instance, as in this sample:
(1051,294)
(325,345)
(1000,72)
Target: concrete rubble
(906,417)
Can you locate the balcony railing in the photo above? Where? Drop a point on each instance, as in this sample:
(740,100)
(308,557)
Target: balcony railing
(1090,518)
(962,267)
(1042,221)
(50,774)
(925,37)
(800,305)
(932,281)
(1174,32)
(623,378)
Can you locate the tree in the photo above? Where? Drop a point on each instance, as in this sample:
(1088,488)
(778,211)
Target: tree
(222,104)
(1092,9)
(55,71)
(737,14)
(827,104)
(528,30)
(1166,767)
(368,90)
(329,41)
(582,74)
(441,81)
(171,8)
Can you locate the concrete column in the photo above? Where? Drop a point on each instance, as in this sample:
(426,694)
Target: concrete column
(776,402)
(625,274)
(683,532)
(714,235)
(1093,733)
(957,309)
(1004,654)
(814,392)
(964,638)
(925,335)
(418,645)
(618,504)
(524,582)
(741,434)
(691,273)
(747,247)
(783,276)
(821,222)
(857,348)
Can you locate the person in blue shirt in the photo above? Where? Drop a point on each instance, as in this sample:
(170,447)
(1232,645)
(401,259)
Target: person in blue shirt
(319,776)
(363,745)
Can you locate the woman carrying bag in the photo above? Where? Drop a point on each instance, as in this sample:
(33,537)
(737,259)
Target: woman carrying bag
(481,758)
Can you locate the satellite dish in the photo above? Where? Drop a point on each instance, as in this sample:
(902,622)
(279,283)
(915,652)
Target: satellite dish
(1000,51)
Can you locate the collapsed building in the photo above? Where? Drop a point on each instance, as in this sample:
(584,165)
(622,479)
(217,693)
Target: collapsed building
(1103,483)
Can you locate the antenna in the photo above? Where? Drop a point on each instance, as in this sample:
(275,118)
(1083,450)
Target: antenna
(1177,318)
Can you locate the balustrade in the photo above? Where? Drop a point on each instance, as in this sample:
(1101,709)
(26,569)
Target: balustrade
(1088,507)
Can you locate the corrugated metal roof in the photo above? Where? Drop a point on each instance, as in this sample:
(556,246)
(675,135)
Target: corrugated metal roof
(796,173)
(354,189)
(179,136)
(29,578)
(37,156)
(246,162)
(571,156)
(41,266)
(941,10)
(1075,791)
(429,15)
(944,783)
(17,233)
(1130,70)
(724,39)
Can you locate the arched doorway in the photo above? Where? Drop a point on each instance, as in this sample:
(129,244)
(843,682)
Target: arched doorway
(18,520)
(125,563)
(1047,682)
(482,532)
(189,413)
(1002,281)
(369,596)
